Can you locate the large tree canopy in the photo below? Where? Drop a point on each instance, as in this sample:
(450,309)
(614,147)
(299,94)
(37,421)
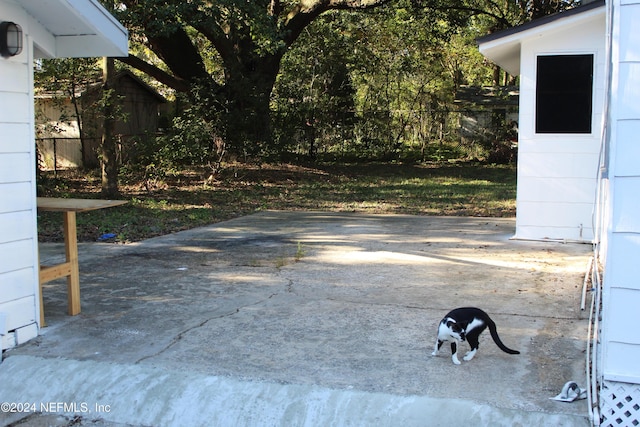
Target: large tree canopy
(249,39)
(227,54)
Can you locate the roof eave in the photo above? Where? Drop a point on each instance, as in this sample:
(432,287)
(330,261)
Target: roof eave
(75,29)
(506,56)
(503,47)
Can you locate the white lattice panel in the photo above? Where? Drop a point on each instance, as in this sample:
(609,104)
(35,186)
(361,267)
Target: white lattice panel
(619,404)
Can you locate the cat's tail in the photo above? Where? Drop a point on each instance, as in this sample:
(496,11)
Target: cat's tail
(496,339)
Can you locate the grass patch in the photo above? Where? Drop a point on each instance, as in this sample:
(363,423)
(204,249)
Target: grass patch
(185,201)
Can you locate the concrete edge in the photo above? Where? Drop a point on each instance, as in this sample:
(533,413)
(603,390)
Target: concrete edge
(145,395)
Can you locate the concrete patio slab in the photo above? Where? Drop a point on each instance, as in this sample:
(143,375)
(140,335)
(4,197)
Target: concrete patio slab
(309,318)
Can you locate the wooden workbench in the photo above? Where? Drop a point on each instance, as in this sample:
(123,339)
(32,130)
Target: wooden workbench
(69,268)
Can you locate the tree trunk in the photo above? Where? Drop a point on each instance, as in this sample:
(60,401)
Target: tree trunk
(108,146)
(247,117)
(250,39)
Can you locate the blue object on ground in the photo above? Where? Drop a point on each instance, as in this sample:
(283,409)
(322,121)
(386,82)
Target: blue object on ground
(107,236)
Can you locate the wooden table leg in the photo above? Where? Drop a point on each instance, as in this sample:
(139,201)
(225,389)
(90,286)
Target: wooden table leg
(71,249)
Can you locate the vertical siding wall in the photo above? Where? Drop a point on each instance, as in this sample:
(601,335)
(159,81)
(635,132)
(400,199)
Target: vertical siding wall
(557,173)
(621,293)
(18,236)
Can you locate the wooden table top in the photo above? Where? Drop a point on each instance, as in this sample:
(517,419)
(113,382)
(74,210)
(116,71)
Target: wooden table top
(75,205)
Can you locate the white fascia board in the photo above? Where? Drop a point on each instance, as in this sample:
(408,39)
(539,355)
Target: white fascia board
(89,45)
(505,50)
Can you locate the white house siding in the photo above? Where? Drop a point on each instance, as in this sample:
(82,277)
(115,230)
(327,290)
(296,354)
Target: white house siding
(620,253)
(621,293)
(557,173)
(53,28)
(18,235)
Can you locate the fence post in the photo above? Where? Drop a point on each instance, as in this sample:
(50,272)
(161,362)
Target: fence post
(55,158)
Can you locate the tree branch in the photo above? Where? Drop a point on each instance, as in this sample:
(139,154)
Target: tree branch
(353,4)
(275,7)
(300,16)
(155,72)
(475,11)
(179,53)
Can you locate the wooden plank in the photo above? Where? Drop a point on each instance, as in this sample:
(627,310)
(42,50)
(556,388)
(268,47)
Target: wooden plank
(71,249)
(75,205)
(49,273)
(70,268)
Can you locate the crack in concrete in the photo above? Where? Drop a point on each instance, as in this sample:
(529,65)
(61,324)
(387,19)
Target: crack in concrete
(181,334)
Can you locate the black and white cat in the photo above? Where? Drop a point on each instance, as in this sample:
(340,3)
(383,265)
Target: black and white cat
(467,323)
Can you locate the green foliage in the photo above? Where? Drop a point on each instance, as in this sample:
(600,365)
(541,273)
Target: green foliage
(398,71)
(61,80)
(188,142)
(313,100)
(66,74)
(378,83)
(191,139)
(404,64)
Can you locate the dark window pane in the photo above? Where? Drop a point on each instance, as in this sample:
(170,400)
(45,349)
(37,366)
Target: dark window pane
(564,90)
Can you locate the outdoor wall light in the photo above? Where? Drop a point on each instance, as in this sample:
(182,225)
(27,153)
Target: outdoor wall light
(10,39)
